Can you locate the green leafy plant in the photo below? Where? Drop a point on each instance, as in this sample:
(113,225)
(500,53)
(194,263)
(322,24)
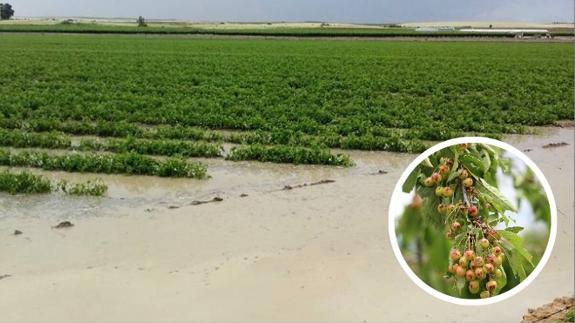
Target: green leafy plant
(286,154)
(23,183)
(90,188)
(127,163)
(21,139)
(466,243)
(391,96)
(27,183)
(569,316)
(154,147)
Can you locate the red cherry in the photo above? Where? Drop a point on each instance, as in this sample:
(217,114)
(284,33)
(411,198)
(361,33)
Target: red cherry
(455,254)
(472,210)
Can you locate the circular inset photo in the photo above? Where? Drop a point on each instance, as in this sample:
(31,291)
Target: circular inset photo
(472,221)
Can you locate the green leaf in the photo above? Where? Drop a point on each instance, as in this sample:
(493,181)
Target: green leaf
(453,175)
(486,161)
(494,196)
(517,244)
(427,163)
(455,169)
(515,263)
(514,229)
(517,256)
(473,164)
(459,239)
(411,180)
(504,217)
(501,282)
(489,149)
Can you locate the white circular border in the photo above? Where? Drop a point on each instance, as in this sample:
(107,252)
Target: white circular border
(394,205)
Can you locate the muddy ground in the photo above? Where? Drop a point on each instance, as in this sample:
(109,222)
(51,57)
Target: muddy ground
(560,310)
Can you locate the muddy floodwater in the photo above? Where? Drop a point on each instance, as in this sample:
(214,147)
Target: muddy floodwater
(228,180)
(144,252)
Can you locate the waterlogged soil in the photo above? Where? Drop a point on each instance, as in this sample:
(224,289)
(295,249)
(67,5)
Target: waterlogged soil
(258,252)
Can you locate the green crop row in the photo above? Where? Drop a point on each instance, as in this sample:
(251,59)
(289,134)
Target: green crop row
(24,183)
(153,147)
(102,128)
(128,163)
(286,154)
(17,138)
(27,183)
(89,188)
(20,139)
(393,142)
(358,138)
(54,140)
(384,139)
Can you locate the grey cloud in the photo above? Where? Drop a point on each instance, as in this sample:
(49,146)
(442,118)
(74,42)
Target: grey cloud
(375,11)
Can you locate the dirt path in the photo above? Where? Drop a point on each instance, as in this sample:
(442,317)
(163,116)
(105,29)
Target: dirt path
(313,253)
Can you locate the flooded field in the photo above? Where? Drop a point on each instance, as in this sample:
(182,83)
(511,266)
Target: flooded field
(144,252)
(228,180)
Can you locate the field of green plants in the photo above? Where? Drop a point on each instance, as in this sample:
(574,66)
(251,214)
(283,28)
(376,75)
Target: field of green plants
(146,105)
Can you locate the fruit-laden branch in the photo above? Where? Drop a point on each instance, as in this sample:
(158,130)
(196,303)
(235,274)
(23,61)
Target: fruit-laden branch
(485,227)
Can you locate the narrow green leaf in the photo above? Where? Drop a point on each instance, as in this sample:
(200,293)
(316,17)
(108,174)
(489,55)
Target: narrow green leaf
(514,229)
(411,181)
(427,163)
(494,196)
(501,282)
(515,263)
(517,244)
(486,161)
(489,149)
(473,164)
(455,169)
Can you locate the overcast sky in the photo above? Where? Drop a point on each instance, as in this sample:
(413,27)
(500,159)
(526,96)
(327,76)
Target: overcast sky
(375,11)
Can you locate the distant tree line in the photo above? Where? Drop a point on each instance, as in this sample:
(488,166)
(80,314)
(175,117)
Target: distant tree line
(6,11)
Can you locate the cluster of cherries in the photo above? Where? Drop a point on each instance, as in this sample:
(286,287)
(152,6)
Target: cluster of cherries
(480,272)
(480,264)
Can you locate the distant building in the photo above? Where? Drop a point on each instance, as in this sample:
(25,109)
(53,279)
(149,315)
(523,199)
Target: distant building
(426,29)
(505,31)
(434,29)
(519,33)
